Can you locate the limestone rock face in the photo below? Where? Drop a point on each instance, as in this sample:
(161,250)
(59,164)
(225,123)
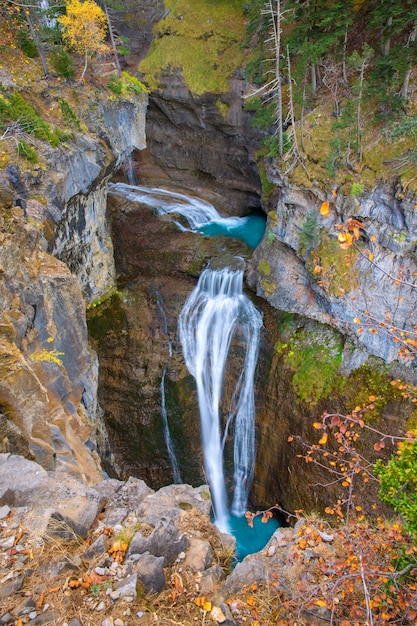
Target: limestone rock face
(299,266)
(193,146)
(48,375)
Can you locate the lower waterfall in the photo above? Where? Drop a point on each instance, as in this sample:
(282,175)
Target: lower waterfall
(216,313)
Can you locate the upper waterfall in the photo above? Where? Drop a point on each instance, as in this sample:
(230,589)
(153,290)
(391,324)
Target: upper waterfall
(200,215)
(217,313)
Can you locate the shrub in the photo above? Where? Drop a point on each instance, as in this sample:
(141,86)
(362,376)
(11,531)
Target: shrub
(115,84)
(30,120)
(357,189)
(26,43)
(62,63)
(398,483)
(69,116)
(26,150)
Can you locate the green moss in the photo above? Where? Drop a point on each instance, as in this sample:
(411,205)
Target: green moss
(202,39)
(338,274)
(315,363)
(105,317)
(269,287)
(368,380)
(264,267)
(16,108)
(268,188)
(223,107)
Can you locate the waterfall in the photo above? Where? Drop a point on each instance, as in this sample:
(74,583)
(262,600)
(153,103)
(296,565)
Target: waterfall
(129,170)
(194,210)
(201,216)
(216,312)
(167,434)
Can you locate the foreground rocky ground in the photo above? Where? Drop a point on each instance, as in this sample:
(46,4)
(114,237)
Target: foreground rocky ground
(119,553)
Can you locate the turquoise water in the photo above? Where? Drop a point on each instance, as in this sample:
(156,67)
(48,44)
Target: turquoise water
(251,539)
(250,229)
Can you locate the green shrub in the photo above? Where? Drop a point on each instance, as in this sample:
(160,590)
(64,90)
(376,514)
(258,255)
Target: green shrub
(398,483)
(309,236)
(264,114)
(62,63)
(133,84)
(357,189)
(115,84)
(30,120)
(26,150)
(26,43)
(69,116)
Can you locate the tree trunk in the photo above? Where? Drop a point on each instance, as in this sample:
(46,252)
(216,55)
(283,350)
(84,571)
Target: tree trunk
(37,44)
(358,129)
(276,24)
(313,80)
(404,88)
(85,66)
(112,42)
(387,44)
(295,144)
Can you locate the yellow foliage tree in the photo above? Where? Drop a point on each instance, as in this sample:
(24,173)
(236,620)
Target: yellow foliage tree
(84,28)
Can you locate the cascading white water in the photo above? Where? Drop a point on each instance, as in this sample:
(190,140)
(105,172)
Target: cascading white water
(216,312)
(167,434)
(196,211)
(201,216)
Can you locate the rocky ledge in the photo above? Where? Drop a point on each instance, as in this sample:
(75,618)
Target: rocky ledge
(119,552)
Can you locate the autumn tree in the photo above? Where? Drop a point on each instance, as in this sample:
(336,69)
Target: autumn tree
(84,28)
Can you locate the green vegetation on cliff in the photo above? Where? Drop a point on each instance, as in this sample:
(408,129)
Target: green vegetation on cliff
(203,39)
(342,77)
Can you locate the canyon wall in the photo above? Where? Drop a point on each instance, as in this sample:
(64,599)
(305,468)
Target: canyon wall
(57,253)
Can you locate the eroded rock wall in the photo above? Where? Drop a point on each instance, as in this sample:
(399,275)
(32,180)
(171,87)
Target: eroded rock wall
(203,144)
(300,267)
(48,374)
(57,253)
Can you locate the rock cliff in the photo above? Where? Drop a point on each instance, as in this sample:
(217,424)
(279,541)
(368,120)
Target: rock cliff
(56,253)
(368,290)
(203,144)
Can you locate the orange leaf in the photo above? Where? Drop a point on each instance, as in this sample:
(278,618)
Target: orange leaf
(357,320)
(345,240)
(317,425)
(74,584)
(325,208)
(323,440)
